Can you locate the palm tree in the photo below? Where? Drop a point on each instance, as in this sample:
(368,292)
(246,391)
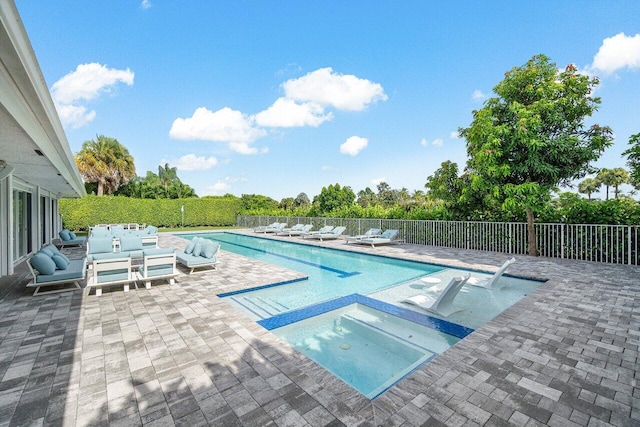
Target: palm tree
(588,186)
(605,177)
(621,176)
(105,162)
(167,175)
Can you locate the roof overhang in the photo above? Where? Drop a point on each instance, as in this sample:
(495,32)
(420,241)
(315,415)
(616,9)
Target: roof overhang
(32,140)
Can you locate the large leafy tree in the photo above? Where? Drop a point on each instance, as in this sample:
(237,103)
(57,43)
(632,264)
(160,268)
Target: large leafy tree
(531,137)
(633,159)
(334,197)
(167,175)
(106,162)
(445,184)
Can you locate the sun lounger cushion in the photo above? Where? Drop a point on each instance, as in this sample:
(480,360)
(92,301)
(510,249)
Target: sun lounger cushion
(190,246)
(197,249)
(43,263)
(72,235)
(210,249)
(65,234)
(61,263)
(75,270)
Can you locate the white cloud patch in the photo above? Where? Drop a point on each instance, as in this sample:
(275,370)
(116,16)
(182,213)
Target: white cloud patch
(224,125)
(146,4)
(354,145)
(376,181)
(83,85)
(223,186)
(328,88)
(454,135)
(436,142)
(326,168)
(287,113)
(478,95)
(191,162)
(618,52)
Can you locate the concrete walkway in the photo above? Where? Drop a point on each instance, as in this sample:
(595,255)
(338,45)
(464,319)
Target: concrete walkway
(178,355)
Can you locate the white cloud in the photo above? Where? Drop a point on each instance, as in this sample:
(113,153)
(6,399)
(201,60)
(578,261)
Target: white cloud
(353,145)
(376,181)
(224,125)
(85,84)
(327,88)
(146,4)
(618,52)
(286,113)
(478,96)
(191,162)
(75,115)
(326,168)
(223,186)
(454,135)
(436,142)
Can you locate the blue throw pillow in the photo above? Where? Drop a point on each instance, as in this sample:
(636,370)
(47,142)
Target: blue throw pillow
(210,249)
(73,235)
(61,263)
(191,245)
(53,248)
(64,257)
(43,263)
(65,234)
(197,249)
(47,250)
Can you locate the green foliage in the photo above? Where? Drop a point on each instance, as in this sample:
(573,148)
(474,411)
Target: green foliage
(334,197)
(633,159)
(255,204)
(612,178)
(78,214)
(588,186)
(615,211)
(165,185)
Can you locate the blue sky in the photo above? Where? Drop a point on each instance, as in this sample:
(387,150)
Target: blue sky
(283,97)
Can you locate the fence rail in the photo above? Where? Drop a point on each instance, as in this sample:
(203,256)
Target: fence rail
(616,244)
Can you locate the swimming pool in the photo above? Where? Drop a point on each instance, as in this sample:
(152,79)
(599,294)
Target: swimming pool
(350,307)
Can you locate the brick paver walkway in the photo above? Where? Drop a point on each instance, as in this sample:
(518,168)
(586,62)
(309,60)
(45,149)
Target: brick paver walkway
(178,355)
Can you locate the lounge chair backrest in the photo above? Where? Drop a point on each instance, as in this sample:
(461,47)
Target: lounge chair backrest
(297,227)
(389,234)
(326,229)
(492,281)
(445,299)
(307,228)
(373,232)
(338,230)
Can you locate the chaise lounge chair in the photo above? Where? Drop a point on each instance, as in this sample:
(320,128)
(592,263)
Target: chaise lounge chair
(264,227)
(384,239)
(297,232)
(493,281)
(199,253)
(333,234)
(69,238)
(443,305)
(50,267)
(325,229)
(372,232)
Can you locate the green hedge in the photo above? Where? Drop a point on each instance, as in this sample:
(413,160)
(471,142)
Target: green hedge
(78,214)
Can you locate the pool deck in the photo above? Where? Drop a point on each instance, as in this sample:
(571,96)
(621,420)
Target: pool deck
(565,355)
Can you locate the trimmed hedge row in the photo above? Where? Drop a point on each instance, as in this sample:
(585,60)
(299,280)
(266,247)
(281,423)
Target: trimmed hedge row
(78,214)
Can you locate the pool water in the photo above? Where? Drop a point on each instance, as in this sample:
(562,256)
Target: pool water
(349,317)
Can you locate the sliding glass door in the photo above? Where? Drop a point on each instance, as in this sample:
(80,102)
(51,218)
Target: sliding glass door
(22,230)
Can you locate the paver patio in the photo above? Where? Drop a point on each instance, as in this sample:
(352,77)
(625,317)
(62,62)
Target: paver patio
(178,355)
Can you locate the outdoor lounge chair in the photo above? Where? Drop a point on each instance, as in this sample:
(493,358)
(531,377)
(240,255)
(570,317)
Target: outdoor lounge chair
(276,228)
(158,264)
(372,232)
(199,253)
(264,227)
(304,230)
(49,267)
(384,239)
(493,281)
(443,305)
(325,229)
(111,271)
(333,234)
(69,238)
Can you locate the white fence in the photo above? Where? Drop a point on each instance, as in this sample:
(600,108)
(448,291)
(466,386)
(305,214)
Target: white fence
(617,244)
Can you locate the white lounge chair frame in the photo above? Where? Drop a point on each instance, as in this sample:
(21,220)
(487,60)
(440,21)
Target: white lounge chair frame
(334,234)
(153,260)
(372,232)
(324,229)
(493,281)
(380,240)
(443,305)
(110,265)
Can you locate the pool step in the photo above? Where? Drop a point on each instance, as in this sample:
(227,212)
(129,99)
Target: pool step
(261,307)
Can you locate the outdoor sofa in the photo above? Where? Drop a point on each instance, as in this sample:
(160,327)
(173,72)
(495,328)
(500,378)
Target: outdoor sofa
(49,267)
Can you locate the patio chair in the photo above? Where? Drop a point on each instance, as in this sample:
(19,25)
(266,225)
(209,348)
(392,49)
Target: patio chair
(49,267)
(333,234)
(493,281)
(199,253)
(443,305)
(325,229)
(158,264)
(69,238)
(389,236)
(304,230)
(264,227)
(111,271)
(372,232)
